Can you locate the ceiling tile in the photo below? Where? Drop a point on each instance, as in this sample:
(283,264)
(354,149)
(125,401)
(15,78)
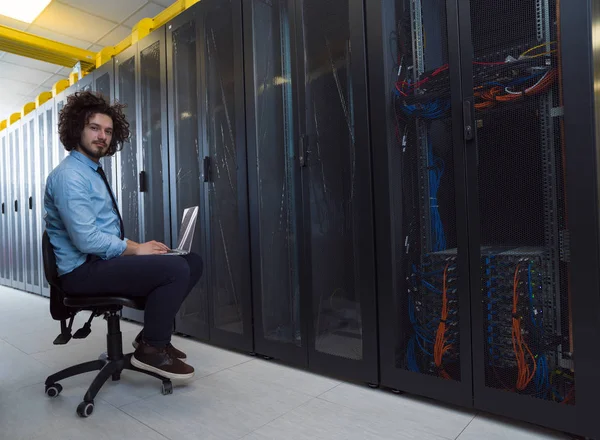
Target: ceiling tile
(64,19)
(95,48)
(29,62)
(24,74)
(56,36)
(113,10)
(114,37)
(151,10)
(164,3)
(15,87)
(15,24)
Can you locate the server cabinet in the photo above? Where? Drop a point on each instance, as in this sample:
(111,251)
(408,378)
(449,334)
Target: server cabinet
(526,154)
(142,170)
(335,159)
(4,210)
(423,266)
(311,185)
(46,127)
(30,204)
(275,190)
(17,221)
(522,141)
(208,167)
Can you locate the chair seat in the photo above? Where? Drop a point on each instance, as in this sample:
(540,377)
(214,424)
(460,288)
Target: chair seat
(104,301)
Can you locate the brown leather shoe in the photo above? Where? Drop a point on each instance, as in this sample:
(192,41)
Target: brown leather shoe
(177,354)
(158,360)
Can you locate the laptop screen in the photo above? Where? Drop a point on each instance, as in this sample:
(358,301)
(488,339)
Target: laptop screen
(186,231)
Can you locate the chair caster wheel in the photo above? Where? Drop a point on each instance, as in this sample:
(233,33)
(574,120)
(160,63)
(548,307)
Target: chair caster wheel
(53,390)
(167,388)
(85,409)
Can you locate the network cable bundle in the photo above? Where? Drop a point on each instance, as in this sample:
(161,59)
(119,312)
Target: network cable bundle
(524,265)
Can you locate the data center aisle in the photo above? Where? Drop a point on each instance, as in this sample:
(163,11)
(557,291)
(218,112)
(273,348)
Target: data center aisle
(233,396)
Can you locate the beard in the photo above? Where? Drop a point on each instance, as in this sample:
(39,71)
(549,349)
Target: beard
(96,150)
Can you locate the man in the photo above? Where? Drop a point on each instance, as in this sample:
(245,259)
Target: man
(86,232)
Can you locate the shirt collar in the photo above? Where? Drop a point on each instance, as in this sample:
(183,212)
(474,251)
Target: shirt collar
(84,159)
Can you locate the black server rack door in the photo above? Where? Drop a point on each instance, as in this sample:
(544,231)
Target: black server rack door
(153,174)
(337,189)
(227,236)
(522,332)
(186,156)
(424,301)
(103,84)
(33,205)
(274,180)
(42,147)
(128,156)
(3,210)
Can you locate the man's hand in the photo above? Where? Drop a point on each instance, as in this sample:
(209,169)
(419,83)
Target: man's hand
(151,248)
(148,248)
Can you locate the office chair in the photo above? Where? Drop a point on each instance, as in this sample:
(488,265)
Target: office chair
(111,363)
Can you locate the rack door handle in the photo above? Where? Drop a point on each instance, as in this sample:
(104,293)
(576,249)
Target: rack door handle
(2,207)
(16,206)
(143,182)
(30,203)
(206,168)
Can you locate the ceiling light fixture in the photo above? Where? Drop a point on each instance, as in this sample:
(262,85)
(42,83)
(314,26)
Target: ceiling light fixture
(23,10)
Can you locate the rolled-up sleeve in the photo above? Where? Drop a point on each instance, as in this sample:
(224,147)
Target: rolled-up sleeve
(73,202)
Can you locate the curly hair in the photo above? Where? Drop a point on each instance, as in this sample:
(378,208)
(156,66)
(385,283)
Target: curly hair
(75,115)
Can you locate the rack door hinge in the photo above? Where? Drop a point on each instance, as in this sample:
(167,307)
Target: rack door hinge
(564,238)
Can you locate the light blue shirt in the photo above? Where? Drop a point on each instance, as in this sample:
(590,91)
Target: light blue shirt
(80,218)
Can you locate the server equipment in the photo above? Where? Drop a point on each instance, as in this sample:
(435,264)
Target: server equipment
(478,151)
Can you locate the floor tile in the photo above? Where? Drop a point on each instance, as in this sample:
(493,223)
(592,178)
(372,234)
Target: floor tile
(222,406)
(17,369)
(288,377)
(434,418)
(319,419)
(29,414)
(496,428)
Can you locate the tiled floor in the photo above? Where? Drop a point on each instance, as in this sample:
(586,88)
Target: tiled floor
(233,396)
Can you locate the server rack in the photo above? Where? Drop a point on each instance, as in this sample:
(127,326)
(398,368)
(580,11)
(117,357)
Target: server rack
(423,266)
(4,210)
(30,180)
(60,99)
(274,176)
(16,221)
(142,165)
(322,194)
(516,101)
(208,167)
(46,145)
(102,81)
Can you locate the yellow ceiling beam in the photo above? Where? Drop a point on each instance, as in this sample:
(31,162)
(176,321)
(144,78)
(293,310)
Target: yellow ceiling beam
(43,49)
(3,124)
(60,86)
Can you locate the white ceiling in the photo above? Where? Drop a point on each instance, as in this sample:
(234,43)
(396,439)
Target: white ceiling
(87,24)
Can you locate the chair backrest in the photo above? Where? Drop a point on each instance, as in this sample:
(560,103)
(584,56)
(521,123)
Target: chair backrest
(58,310)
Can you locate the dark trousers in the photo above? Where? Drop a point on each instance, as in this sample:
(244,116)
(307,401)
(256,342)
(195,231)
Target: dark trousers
(165,281)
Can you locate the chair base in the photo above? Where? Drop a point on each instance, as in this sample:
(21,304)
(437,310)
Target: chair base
(107,369)
(109,364)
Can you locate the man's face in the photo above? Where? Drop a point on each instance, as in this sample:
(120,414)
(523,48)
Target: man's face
(96,136)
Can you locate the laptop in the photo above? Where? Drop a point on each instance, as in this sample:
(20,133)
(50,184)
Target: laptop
(186,232)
